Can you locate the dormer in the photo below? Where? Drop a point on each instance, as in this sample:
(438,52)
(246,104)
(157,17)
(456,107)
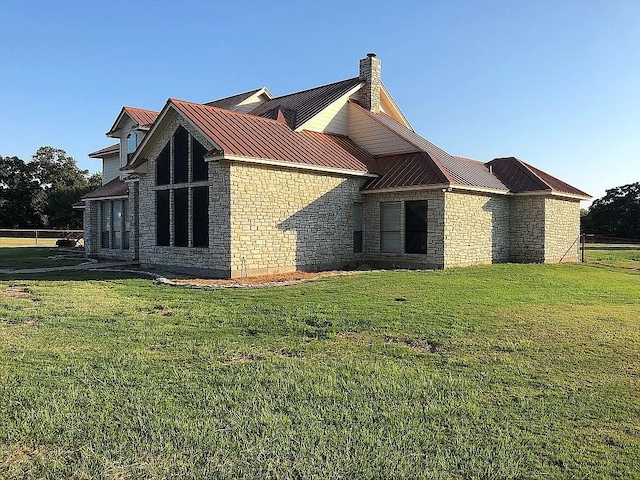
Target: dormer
(130,128)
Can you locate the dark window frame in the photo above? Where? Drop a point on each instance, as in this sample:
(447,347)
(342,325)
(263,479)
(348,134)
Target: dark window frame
(415,226)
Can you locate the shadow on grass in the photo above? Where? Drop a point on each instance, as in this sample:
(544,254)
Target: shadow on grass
(74,276)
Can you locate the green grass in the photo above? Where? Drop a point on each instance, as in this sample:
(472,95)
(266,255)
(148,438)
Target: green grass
(504,371)
(39,257)
(621,256)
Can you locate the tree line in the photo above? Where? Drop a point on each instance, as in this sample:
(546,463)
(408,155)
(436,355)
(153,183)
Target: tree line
(40,193)
(617,214)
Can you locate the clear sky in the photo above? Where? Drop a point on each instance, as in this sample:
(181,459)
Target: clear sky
(555,83)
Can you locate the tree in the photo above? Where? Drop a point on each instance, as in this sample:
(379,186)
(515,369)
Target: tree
(40,193)
(21,198)
(616,214)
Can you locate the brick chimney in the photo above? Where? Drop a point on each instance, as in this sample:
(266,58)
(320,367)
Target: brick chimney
(370,74)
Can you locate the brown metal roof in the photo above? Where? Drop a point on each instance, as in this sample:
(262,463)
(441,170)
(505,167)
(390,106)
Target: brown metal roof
(103,152)
(307,103)
(232,101)
(142,117)
(407,170)
(461,171)
(250,136)
(114,188)
(521,177)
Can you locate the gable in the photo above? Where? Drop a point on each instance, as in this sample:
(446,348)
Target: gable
(334,118)
(372,136)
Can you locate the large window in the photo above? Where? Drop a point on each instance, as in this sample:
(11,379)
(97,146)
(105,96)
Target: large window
(415,238)
(162,166)
(357,227)
(390,227)
(181,217)
(200,217)
(198,165)
(115,224)
(180,156)
(182,161)
(162,217)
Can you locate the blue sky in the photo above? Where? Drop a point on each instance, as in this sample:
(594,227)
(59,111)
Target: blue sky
(555,83)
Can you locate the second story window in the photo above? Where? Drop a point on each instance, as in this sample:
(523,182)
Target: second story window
(132,143)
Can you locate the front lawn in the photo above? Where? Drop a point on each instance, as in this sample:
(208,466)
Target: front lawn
(39,257)
(503,371)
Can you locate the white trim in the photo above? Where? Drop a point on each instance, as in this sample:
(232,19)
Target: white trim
(282,163)
(481,189)
(552,193)
(393,103)
(79,207)
(437,186)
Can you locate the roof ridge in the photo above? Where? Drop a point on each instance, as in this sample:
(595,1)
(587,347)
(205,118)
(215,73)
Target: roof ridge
(227,111)
(314,88)
(466,159)
(236,95)
(138,108)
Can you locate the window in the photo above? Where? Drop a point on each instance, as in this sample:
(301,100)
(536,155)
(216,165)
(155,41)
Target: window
(115,224)
(181,161)
(390,227)
(162,167)
(127,225)
(116,227)
(106,224)
(415,237)
(201,217)
(357,227)
(198,165)
(180,155)
(181,217)
(162,217)
(132,142)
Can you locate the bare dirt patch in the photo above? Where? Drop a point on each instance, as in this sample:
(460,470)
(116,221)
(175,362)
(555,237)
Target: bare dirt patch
(280,279)
(17,292)
(418,345)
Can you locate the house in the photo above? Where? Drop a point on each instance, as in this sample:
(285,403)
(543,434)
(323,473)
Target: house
(323,178)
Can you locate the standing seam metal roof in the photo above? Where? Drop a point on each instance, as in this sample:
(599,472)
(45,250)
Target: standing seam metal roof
(256,137)
(307,103)
(458,170)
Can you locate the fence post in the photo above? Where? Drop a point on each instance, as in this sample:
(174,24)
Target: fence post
(583,241)
(36,237)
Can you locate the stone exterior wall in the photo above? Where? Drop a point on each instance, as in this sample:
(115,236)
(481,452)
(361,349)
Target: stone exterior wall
(90,226)
(527,229)
(215,260)
(562,229)
(284,220)
(476,229)
(434,257)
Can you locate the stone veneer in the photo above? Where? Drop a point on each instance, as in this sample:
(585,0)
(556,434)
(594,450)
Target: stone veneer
(434,257)
(476,229)
(526,229)
(562,230)
(212,261)
(284,220)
